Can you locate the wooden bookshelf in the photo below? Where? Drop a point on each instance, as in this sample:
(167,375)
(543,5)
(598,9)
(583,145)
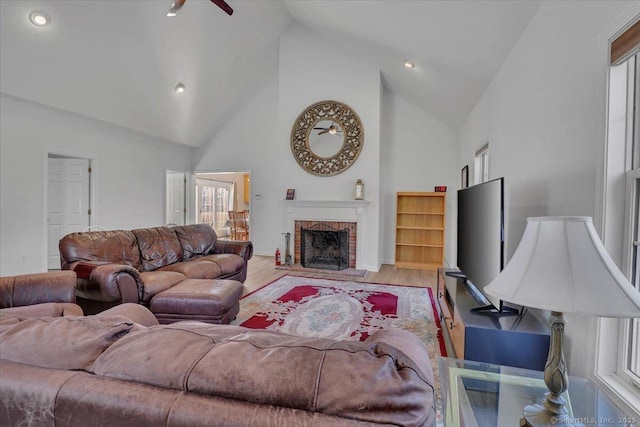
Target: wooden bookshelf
(420,222)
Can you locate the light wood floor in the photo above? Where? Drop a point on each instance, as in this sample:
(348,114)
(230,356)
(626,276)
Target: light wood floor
(261,271)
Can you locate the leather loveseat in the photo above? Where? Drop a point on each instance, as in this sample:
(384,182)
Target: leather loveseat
(182,266)
(196,374)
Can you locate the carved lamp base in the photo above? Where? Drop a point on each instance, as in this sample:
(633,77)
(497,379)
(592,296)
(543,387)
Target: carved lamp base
(539,416)
(553,412)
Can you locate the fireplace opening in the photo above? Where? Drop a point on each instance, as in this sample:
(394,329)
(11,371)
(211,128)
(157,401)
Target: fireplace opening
(322,246)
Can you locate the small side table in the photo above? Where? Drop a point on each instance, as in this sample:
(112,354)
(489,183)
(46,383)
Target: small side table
(484,394)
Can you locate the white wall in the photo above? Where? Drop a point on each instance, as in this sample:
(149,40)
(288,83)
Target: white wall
(257,138)
(246,143)
(543,116)
(405,149)
(129,176)
(312,70)
(418,153)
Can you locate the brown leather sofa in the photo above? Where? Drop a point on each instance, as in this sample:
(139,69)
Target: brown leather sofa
(115,267)
(72,371)
(49,294)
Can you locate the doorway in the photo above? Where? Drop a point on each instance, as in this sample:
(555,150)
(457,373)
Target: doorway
(68,201)
(217,193)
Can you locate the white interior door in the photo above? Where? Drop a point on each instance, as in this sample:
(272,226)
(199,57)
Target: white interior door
(176,198)
(67,204)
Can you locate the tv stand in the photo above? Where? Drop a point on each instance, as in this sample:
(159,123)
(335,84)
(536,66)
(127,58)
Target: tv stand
(521,341)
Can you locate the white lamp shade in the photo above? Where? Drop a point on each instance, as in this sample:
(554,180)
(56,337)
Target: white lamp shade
(561,265)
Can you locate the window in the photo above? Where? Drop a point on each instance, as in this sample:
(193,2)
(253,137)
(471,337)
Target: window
(212,205)
(630,360)
(618,350)
(482,164)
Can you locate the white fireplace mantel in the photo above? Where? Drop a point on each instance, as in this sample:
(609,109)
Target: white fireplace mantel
(327,203)
(329,210)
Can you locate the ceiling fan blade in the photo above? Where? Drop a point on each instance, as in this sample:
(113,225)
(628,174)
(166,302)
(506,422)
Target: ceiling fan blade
(323,132)
(224,6)
(321,128)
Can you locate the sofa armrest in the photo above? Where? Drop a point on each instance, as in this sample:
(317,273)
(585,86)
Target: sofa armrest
(108,282)
(46,309)
(410,345)
(136,312)
(244,248)
(37,288)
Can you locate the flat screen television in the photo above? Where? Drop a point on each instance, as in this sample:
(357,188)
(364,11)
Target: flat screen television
(481,241)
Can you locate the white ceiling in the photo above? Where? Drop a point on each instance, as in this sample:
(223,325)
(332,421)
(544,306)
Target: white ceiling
(118,61)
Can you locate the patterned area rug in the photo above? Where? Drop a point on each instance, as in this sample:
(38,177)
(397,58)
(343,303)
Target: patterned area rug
(343,309)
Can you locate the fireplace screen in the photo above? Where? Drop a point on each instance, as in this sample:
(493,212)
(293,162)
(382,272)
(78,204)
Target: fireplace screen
(322,246)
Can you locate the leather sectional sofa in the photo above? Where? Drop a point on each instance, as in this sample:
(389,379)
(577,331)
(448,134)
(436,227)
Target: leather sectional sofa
(180,273)
(71,371)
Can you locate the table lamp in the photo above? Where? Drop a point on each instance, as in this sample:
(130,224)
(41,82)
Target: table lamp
(561,265)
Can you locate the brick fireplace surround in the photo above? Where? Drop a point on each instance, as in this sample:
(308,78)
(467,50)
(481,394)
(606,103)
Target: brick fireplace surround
(337,214)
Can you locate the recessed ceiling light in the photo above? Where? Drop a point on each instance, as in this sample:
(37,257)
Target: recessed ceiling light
(180,87)
(409,64)
(39,19)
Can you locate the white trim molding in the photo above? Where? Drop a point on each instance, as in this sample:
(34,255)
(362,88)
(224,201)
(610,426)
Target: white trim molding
(623,393)
(330,210)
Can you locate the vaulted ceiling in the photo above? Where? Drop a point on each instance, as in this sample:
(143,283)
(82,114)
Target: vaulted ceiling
(119,61)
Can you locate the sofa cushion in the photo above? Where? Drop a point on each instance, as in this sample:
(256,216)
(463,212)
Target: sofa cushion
(29,394)
(228,263)
(157,281)
(159,246)
(195,269)
(33,396)
(61,342)
(196,240)
(340,378)
(117,246)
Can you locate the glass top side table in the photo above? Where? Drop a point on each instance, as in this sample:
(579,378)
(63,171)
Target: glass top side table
(484,394)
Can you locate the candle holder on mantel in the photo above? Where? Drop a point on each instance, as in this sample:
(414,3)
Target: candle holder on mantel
(359,190)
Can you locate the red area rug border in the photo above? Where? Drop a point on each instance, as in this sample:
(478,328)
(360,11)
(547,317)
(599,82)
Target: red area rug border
(434,308)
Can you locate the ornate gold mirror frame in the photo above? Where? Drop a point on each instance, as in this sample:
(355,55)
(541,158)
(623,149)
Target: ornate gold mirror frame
(342,122)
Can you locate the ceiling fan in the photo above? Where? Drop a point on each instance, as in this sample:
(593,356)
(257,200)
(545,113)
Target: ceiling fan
(177,5)
(332,130)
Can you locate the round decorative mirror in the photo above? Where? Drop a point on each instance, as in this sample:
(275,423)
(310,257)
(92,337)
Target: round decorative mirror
(327,138)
